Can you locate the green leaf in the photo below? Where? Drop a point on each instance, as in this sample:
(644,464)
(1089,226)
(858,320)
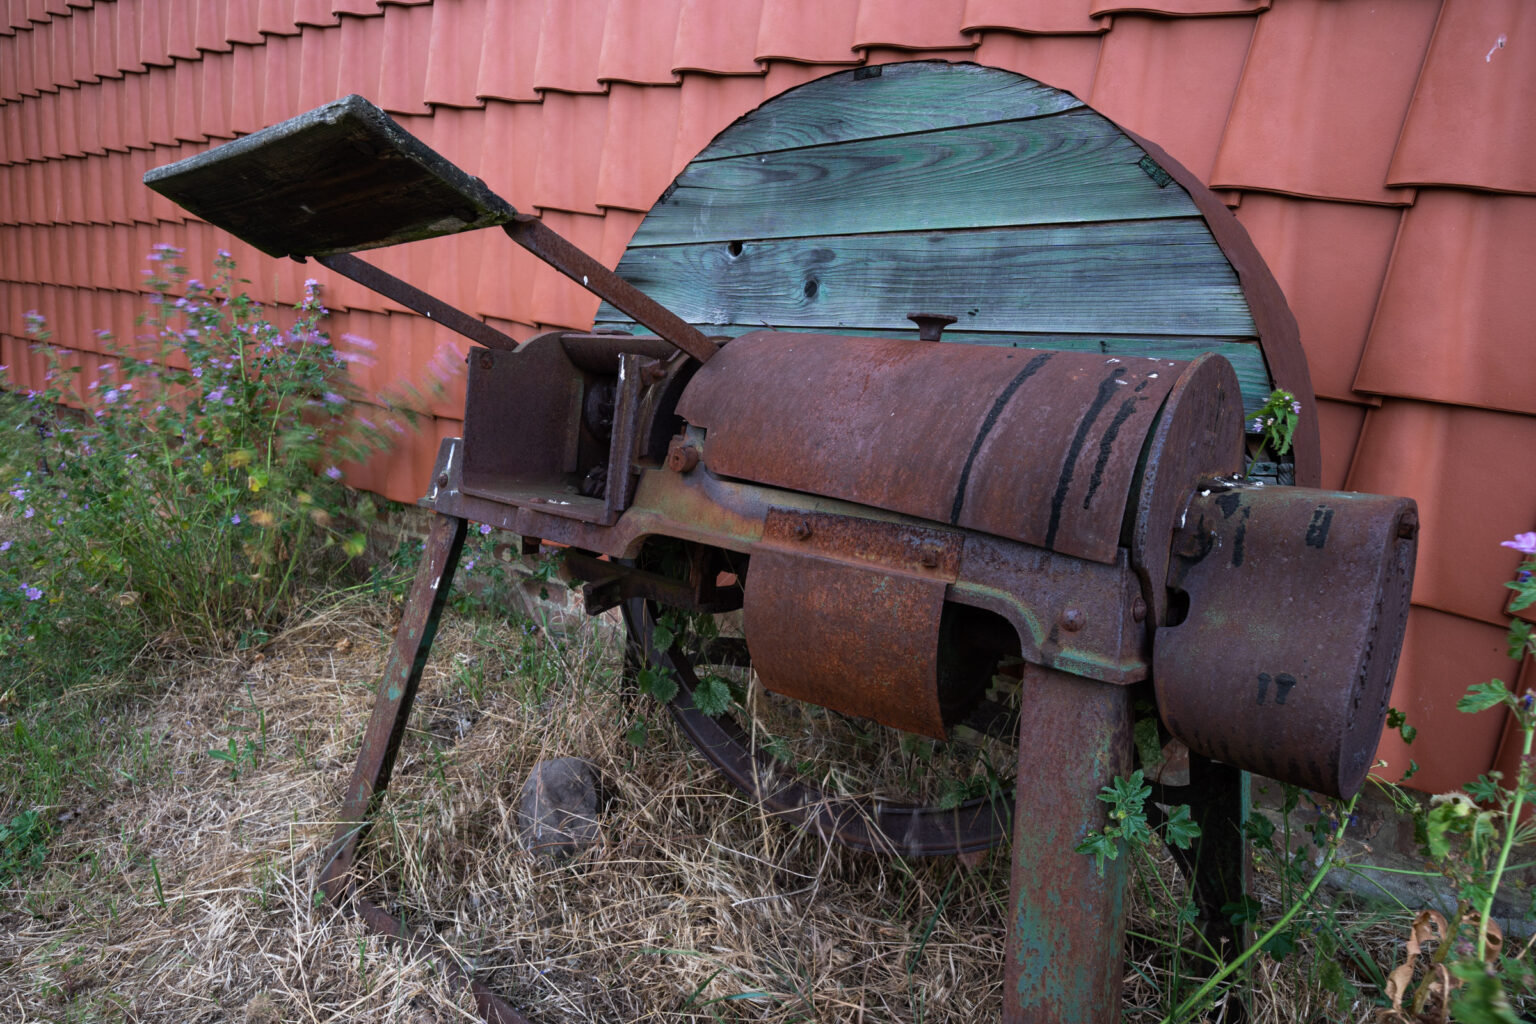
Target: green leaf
(1149,742)
(1481,999)
(657,683)
(1482,696)
(1100,847)
(1525,594)
(1520,633)
(637,733)
(712,696)
(662,636)
(1280,945)
(1180,829)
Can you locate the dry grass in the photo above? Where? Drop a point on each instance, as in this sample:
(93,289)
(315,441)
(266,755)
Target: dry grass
(693,906)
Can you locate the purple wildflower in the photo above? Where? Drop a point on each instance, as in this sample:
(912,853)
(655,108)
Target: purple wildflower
(111,395)
(1525,543)
(235,519)
(28,513)
(333,472)
(334,399)
(485,528)
(33,594)
(1296,408)
(5,546)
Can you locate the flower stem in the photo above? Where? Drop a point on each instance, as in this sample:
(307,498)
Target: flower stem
(1522,779)
(1274,929)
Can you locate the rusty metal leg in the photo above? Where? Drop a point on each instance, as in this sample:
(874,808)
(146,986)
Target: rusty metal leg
(1066,928)
(381,741)
(1218,866)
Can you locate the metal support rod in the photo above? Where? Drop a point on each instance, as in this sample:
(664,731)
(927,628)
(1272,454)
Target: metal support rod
(391,287)
(532,234)
(1066,921)
(381,742)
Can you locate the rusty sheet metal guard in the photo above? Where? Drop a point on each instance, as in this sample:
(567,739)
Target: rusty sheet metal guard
(1039,447)
(808,621)
(1276,669)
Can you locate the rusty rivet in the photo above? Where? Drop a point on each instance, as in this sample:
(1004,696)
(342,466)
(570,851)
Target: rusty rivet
(930,326)
(803,531)
(1139,609)
(929,558)
(1408,526)
(681,456)
(442,479)
(486,360)
(1073,620)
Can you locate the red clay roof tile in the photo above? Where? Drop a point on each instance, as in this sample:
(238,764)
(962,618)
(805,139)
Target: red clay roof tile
(208,21)
(240,24)
(1330,260)
(69,116)
(1442,656)
(707,105)
(508,55)
(783,75)
(82,40)
(402,62)
(718,38)
(808,31)
(1472,121)
(557,300)
(1455,462)
(638,41)
(245,102)
(359,43)
(154,39)
(360,8)
(275,17)
(454,52)
(512,133)
(319,67)
(1322,99)
(1171,81)
(912,25)
(181,29)
(1339,425)
(636,154)
(567,46)
(279,79)
(1457,296)
(570,152)
(186,95)
(318,13)
(1042,16)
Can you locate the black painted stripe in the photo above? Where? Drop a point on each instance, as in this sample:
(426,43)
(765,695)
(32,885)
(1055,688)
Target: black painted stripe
(1106,447)
(1030,369)
(1107,388)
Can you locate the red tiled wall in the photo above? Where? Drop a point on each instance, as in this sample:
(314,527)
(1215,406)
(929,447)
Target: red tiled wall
(1382,156)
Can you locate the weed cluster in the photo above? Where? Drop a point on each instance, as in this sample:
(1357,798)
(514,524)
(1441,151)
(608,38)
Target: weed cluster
(190,492)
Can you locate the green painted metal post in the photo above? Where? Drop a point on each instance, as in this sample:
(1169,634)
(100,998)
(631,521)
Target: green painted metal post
(1066,928)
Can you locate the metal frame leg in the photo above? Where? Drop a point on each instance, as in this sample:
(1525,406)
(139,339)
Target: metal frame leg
(1066,929)
(381,742)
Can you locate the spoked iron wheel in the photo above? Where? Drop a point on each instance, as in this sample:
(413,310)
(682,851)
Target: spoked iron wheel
(820,769)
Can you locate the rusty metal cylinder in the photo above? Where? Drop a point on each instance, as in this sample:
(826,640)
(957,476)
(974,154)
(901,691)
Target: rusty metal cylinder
(1286,617)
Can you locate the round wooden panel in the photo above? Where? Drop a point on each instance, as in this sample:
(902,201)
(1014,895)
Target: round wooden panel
(847,203)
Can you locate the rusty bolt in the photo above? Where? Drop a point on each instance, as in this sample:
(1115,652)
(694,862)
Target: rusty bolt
(1073,620)
(442,479)
(486,360)
(930,326)
(929,558)
(1139,609)
(682,457)
(803,531)
(1408,526)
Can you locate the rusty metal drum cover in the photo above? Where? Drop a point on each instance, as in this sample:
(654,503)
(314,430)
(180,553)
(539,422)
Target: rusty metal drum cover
(1297,603)
(1035,446)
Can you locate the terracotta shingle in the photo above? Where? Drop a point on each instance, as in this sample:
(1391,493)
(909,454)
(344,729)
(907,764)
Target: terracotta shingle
(509,29)
(1456,463)
(1442,656)
(1330,260)
(319,68)
(809,31)
(718,38)
(1471,121)
(402,63)
(566,50)
(1458,296)
(454,51)
(1171,81)
(636,157)
(638,40)
(1322,99)
(912,25)
(1043,16)
(570,152)
(708,104)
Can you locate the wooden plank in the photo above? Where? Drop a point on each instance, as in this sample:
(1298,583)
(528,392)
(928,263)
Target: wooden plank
(887,100)
(1068,168)
(1243,353)
(1120,278)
